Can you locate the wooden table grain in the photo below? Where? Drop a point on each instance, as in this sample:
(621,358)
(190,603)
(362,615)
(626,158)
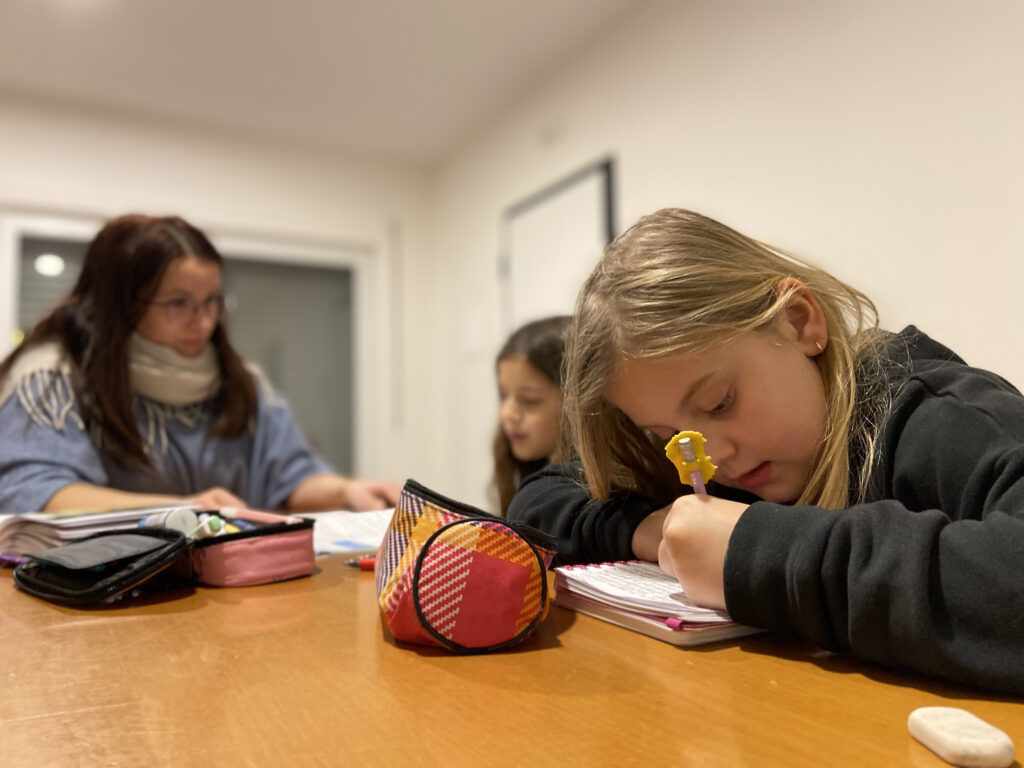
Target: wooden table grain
(302,673)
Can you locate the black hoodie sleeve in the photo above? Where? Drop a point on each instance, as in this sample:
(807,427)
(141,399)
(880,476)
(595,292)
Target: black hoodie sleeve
(928,574)
(555,500)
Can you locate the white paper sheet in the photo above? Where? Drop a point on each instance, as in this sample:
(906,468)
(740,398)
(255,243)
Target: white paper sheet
(349,532)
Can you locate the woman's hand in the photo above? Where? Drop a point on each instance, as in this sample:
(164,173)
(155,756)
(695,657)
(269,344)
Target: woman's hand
(695,537)
(331,491)
(363,495)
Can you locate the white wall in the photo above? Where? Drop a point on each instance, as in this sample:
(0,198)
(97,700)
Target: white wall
(881,139)
(65,161)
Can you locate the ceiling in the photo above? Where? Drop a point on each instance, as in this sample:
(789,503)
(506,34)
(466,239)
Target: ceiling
(400,79)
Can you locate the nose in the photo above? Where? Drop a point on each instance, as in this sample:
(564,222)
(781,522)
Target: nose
(205,320)
(720,445)
(509,413)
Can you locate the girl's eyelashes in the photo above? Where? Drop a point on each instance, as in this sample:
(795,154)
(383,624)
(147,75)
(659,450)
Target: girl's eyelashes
(723,405)
(521,400)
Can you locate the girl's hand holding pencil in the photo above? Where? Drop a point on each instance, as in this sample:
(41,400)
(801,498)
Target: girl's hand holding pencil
(694,540)
(696,530)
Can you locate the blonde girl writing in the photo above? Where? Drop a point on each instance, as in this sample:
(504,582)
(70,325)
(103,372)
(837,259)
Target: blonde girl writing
(870,490)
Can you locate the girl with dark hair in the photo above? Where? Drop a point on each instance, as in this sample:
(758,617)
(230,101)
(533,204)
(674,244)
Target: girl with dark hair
(130,394)
(529,371)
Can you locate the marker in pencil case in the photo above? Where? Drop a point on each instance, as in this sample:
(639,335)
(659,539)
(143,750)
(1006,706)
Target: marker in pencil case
(209,525)
(243,525)
(194,526)
(182,519)
(686,451)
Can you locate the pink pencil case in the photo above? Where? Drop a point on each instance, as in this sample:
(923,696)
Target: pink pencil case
(274,548)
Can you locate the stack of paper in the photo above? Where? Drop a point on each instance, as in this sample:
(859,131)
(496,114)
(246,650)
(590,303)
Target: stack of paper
(30,532)
(640,596)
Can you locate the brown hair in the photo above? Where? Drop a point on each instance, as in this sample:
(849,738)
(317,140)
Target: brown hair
(121,274)
(542,343)
(677,282)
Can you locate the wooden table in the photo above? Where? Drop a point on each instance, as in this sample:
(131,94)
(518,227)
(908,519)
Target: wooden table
(303,674)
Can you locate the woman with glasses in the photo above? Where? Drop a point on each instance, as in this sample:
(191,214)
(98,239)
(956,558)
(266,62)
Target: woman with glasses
(130,394)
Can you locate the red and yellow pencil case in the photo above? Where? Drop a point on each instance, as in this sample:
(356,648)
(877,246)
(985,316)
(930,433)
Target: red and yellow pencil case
(451,575)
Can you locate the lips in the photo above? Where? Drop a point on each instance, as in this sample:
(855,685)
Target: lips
(191,347)
(756,477)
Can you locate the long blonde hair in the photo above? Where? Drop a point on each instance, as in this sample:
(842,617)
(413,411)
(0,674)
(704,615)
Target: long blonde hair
(677,282)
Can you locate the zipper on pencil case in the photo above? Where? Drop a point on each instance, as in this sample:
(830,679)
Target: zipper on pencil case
(531,534)
(142,579)
(260,529)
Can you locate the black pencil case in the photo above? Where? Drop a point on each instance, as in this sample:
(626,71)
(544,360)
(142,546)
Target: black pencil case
(104,567)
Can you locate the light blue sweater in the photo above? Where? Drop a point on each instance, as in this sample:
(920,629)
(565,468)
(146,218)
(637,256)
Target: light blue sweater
(262,466)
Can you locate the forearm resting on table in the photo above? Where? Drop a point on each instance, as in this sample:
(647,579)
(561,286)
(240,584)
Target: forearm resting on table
(330,491)
(85,496)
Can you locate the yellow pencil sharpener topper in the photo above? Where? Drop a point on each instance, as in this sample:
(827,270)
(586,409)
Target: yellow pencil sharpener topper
(690,463)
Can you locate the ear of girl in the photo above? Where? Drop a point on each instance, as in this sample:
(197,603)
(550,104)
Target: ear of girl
(803,319)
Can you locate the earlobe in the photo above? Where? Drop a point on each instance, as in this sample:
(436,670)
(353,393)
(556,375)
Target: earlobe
(802,320)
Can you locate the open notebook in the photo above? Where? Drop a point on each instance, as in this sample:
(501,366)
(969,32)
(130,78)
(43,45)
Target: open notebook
(640,596)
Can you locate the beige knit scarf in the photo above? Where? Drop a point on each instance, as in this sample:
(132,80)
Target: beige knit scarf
(41,379)
(161,374)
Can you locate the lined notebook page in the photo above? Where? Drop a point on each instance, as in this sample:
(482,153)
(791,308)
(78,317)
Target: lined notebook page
(634,585)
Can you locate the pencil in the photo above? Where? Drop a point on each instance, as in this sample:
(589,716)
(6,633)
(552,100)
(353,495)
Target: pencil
(686,448)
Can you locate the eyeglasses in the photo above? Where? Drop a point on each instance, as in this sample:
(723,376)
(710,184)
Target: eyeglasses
(182,311)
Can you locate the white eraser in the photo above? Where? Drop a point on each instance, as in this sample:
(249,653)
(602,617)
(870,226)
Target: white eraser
(960,738)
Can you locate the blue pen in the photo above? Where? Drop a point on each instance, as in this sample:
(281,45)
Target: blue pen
(245,525)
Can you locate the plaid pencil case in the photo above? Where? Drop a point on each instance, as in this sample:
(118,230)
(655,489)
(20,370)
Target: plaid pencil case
(449,574)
